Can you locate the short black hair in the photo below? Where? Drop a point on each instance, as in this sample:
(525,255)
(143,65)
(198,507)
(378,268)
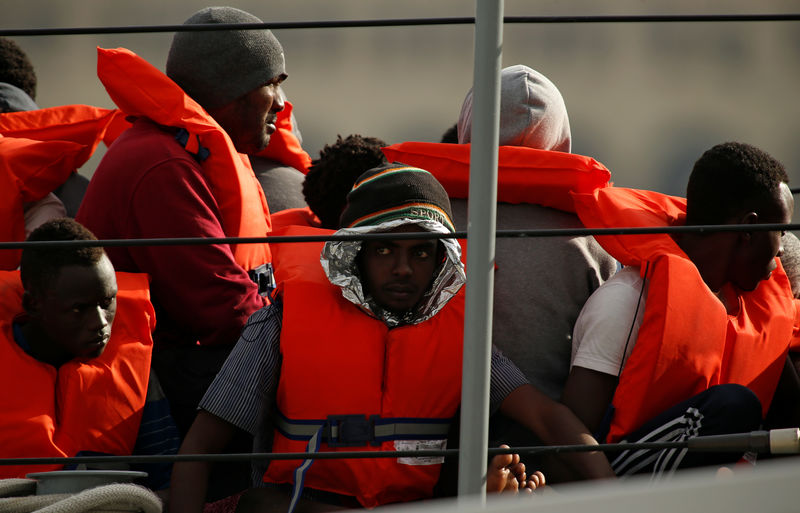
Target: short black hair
(39,266)
(15,67)
(731,179)
(333,174)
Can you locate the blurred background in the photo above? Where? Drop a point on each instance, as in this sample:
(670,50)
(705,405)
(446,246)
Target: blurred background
(646,99)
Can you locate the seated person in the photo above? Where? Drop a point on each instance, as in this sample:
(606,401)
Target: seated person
(87,387)
(691,338)
(362,352)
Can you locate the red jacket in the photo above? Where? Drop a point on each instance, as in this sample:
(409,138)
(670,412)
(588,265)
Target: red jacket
(139,89)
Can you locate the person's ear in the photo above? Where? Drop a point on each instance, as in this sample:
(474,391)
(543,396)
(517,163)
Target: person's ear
(748,218)
(31,303)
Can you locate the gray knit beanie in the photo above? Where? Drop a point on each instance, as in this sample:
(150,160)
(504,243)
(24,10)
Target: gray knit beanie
(216,67)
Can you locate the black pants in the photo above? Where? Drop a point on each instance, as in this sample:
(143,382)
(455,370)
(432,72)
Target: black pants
(722,409)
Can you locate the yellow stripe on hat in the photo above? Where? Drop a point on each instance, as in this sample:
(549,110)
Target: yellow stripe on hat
(389,172)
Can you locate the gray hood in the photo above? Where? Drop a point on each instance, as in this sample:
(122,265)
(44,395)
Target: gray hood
(532,112)
(338,259)
(14,99)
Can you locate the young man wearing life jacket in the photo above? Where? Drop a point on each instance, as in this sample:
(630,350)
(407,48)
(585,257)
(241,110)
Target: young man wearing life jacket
(73,386)
(361,350)
(182,170)
(691,338)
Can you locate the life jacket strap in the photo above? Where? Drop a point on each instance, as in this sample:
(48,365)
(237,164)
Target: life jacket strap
(361,430)
(200,153)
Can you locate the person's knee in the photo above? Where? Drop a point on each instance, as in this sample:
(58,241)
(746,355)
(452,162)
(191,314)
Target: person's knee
(739,404)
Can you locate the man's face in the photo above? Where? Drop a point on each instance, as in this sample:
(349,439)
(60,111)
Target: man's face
(250,119)
(77,310)
(398,272)
(754,259)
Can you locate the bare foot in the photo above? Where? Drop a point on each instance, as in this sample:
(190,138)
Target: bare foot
(506,474)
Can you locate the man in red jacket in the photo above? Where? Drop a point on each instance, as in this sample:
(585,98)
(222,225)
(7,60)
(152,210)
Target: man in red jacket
(153,182)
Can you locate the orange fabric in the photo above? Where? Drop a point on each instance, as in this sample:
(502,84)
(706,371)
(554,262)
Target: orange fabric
(795,345)
(29,170)
(139,89)
(687,342)
(81,124)
(294,260)
(39,149)
(295,216)
(93,405)
(525,175)
(339,360)
(284,146)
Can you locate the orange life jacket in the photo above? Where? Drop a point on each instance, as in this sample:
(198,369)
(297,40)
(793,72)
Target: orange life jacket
(687,342)
(525,175)
(283,144)
(139,89)
(92,405)
(39,149)
(303,216)
(338,361)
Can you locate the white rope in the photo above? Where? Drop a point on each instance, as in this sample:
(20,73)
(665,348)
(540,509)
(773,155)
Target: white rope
(15,487)
(113,498)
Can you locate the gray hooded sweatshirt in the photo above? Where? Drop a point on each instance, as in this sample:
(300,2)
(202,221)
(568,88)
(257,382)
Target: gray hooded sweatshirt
(542,283)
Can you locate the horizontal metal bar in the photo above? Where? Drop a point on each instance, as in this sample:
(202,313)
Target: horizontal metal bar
(546,232)
(755,441)
(163,458)
(406,22)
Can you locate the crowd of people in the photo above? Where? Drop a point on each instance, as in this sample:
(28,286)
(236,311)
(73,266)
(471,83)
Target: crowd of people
(357,344)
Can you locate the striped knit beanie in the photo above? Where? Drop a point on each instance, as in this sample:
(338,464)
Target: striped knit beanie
(396,191)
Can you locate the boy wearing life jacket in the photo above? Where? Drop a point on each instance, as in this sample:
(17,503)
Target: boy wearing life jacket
(361,350)
(691,338)
(81,388)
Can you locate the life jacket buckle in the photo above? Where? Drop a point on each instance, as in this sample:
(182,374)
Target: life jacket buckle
(349,430)
(264,277)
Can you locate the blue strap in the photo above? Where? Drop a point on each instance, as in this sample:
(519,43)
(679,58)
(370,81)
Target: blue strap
(182,136)
(300,472)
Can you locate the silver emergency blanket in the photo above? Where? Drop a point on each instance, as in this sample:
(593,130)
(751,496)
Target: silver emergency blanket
(338,259)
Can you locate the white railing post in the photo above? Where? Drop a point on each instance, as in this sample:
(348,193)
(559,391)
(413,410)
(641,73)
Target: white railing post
(481,244)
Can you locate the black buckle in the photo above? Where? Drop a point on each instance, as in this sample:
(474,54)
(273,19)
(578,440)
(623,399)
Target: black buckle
(351,430)
(264,278)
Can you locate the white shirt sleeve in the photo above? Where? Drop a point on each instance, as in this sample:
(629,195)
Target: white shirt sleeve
(607,322)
